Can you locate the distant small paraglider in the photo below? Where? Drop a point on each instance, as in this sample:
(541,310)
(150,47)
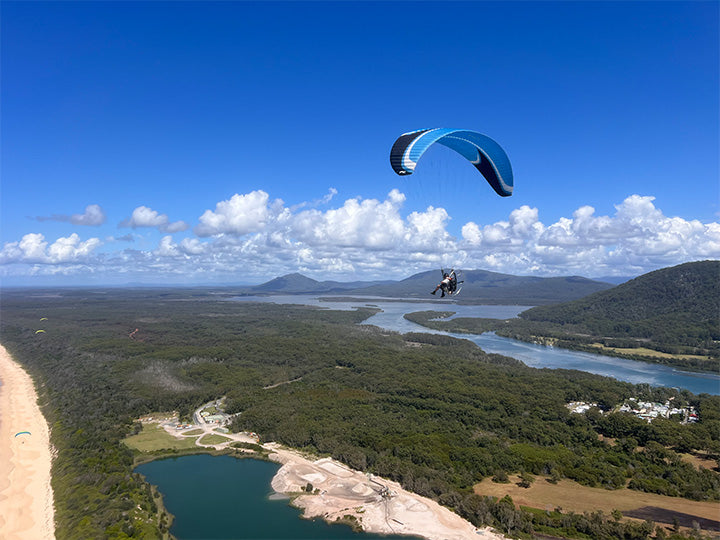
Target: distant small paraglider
(22,433)
(38,331)
(44,319)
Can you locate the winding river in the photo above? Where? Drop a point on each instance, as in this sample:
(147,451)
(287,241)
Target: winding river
(222,497)
(538,356)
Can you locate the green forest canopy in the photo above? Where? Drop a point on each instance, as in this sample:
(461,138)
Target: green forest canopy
(434,413)
(675,311)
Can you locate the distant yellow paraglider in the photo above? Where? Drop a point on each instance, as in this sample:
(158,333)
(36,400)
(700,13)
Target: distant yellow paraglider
(44,319)
(38,331)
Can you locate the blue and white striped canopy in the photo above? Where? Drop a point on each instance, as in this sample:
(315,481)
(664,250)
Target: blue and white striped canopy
(485,154)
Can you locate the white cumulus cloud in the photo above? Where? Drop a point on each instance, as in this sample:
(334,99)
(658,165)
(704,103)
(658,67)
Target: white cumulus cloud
(33,248)
(639,237)
(143,216)
(185,248)
(241,214)
(367,223)
(254,237)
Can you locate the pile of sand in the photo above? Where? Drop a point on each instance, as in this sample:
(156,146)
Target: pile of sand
(379,505)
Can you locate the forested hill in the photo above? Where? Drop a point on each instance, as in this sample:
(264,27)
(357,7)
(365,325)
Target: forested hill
(688,291)
(480,286)
(672,307)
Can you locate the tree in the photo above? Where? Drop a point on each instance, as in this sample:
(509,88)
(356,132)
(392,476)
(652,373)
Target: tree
(500,477)
(526,479)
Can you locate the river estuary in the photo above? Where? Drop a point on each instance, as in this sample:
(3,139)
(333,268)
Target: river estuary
(226,498)
(537,356)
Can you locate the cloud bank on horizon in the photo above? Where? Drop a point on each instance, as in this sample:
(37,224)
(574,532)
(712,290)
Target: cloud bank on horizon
(260,147)
(252,238)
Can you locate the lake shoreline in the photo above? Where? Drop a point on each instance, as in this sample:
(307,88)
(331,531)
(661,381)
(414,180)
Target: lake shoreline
(324,488)
(376,505)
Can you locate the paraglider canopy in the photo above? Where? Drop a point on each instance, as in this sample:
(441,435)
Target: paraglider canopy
(484,153)
(22,433)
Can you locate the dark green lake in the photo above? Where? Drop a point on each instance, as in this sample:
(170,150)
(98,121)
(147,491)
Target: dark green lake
(221,497)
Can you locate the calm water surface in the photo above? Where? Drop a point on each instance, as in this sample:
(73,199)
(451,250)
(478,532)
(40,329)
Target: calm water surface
(221,497)
(538,356)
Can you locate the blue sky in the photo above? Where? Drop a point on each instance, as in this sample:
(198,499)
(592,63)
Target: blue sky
(183,142)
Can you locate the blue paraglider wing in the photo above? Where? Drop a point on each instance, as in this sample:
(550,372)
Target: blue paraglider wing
(485,154)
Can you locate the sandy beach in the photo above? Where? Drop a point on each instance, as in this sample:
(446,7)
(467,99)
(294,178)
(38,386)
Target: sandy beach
(379,505)
(26,497)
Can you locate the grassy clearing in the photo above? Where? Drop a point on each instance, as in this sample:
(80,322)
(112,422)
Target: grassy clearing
(571,496)
(153,437)
(214,439)
(648,352)
(192,432)
(699,460)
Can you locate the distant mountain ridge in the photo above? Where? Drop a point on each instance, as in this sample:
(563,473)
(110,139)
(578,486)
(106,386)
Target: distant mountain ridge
(298,284)
(479,286)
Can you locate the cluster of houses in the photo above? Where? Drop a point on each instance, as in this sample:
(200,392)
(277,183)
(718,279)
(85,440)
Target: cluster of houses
(648,411)
(643,409)
(212,413)
(214,418)
(580,407)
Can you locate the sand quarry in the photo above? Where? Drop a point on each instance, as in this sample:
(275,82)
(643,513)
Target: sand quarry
(379,505)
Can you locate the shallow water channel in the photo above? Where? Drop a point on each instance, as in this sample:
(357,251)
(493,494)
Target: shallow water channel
(538,356)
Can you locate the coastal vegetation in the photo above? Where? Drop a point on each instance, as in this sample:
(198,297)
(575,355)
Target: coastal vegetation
(434,413)
(669,316)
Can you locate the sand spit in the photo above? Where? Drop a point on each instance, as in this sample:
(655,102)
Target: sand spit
(379,505)
(26,497)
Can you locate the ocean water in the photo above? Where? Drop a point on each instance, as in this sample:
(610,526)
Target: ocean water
(221,497)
